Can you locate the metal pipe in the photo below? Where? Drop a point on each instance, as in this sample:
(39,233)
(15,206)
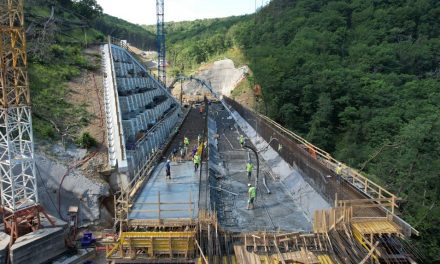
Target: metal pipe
(258,168)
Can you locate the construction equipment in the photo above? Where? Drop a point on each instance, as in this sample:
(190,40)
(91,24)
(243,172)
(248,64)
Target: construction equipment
(87,240)
(19,196)
(160,38)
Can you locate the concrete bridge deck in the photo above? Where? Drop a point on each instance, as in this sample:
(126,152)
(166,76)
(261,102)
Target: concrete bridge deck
(162,198)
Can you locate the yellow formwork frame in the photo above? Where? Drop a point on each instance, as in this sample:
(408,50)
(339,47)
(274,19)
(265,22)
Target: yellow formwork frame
(364,242)
(325,259)
(152,245)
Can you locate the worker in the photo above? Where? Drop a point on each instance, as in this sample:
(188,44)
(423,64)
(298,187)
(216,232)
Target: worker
(168,169)
(249,168)
(196,162)
(182,152)
(174,154)
(252,194)
(242,140)
(185,144)
(280,147)
(199,137)
(312,152)
(338,169)
(194,150)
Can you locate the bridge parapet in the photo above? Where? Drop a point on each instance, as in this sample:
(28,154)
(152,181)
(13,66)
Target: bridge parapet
(141,114)
(321,167)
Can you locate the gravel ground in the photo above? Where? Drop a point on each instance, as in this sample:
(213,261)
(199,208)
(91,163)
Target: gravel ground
(223,77)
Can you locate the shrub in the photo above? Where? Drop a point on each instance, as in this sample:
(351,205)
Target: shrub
(86,141)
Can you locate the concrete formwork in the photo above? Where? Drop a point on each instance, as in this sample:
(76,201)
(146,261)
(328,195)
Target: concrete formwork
(282,210)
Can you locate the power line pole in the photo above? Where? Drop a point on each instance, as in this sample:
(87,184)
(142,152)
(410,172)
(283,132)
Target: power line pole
(160,38)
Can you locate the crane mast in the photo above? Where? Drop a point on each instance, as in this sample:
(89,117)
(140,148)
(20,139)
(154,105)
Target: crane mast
(160,38)
(18,184)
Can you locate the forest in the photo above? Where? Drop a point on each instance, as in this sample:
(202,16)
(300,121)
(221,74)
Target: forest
(359,78)
(58,34)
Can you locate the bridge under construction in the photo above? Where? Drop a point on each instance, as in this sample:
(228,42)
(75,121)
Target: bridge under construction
(309,207)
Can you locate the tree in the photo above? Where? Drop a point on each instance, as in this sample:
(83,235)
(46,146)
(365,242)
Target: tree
(90,9)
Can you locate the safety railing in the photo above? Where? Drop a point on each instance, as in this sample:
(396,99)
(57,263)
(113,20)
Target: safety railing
(376,193)
(163,207)
(117,107)
(350,175)
(125,198)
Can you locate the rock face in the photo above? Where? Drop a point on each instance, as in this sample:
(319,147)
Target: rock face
(79,187)
(223,77)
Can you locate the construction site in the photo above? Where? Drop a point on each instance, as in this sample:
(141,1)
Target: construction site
(308,208)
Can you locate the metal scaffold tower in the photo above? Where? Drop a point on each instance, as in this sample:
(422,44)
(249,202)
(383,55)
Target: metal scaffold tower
(19,196)
(160,38)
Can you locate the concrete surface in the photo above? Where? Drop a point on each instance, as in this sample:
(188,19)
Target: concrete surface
(184,184)
(38,246)
(279,210)
(300,191)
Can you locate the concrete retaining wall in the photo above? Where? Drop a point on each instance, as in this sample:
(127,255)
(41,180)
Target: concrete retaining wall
(38,246)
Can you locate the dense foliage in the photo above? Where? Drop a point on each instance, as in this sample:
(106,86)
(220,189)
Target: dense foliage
(191,43)
(58,31)
(121,29)
(359,78)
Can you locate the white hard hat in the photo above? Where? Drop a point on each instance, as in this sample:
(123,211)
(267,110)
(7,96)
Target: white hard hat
(249,185)
(168,160)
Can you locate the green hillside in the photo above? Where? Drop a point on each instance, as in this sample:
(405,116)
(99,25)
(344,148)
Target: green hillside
(359,78)
(191,43)
(58,33)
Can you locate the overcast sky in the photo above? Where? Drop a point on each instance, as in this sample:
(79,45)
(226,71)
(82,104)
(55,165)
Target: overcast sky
(144,11)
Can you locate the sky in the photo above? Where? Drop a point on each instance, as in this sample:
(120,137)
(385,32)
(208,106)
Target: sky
(144,11)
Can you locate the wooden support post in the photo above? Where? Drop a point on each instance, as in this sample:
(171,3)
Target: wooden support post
(158,204)
(245,241)
(201,252)
(393,203)
(370,253)
(121,247)
(131,252)
(151,251)
(278,250)
(190,206)
(170,244)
